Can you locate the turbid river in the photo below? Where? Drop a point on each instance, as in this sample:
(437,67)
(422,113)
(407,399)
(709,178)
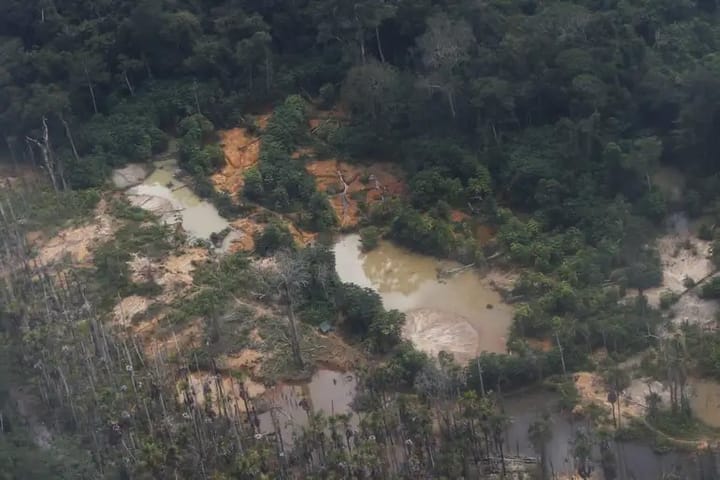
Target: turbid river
(462,314)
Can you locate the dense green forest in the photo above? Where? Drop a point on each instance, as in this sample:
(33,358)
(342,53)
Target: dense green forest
(547,120)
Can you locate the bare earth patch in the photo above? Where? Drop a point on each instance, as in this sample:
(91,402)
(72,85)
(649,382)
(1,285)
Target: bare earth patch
(128,307)
(247,228)
(174,273)
(682,256)
(242,150)
(383,181)
(203,388)
(248,360)
(169,343)
(592,390)
(77,243)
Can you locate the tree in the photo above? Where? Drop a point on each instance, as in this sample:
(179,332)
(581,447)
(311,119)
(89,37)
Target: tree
(385,330)
(540,434)
(371,90)
(292,278)
(582,453)
(643,157)
(444,46)
(616,381)
(274,237)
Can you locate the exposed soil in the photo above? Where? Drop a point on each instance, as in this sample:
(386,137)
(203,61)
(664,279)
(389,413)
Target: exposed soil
(174,273)
(247,228)
(242,150)
(458,216)
(343,182)
(203,387)
(682,255)
(77,243)
(592,390)
(248,360)
(128,307)
(169,343)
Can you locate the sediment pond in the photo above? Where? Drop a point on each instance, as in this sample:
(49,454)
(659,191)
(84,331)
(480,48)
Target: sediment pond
(462,314)
(168,197)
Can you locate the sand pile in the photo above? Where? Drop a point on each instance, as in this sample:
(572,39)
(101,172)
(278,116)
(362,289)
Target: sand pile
(433,331)
(130,175)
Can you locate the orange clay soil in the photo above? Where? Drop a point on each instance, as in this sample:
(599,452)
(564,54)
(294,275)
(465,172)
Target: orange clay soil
(242,150)
(383,181)
(247,227)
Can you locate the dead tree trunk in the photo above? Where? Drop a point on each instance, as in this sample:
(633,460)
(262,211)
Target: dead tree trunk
(91,88)
(379,44)
(48,158)
(69,136)
(127,83)
(297,354)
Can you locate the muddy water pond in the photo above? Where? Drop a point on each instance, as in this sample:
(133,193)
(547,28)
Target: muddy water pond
(634,460)
(462,314)
(165,195)
(705,401)
(328,391)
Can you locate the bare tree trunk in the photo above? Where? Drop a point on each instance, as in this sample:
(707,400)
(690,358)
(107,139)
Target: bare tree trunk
(197,99)
(562,355)
(293,328)
(268,70)
(379,44)
(44,147)
(451,101)
(91,88)
(127,82)
(69,136)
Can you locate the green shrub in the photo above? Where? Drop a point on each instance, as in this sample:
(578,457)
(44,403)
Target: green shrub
(705,232)
(711,289)
(668,299)
(274,237)
(369,238)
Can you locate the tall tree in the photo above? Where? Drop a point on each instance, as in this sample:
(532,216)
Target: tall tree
(444,46)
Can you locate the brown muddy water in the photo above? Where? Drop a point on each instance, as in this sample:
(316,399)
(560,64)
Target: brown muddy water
(328,391)
(462,314)
(705,401)
(168,197)
(634,460)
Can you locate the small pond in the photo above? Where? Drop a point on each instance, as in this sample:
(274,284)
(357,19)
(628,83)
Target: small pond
(462,314)
(165,195)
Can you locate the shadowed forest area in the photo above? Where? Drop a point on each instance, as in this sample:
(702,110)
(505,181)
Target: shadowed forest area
(175,174)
